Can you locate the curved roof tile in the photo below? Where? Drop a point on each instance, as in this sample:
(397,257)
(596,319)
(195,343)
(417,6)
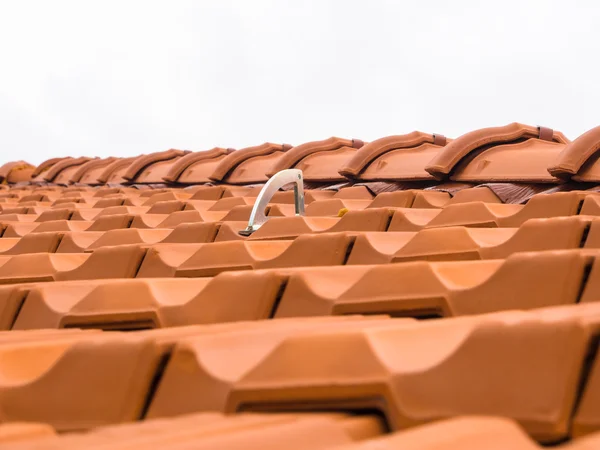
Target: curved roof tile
(195,167)
(489,154)
(319,160)
(401,157)
(249,165)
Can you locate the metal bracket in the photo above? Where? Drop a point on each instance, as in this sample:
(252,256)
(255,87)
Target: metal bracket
(277,181)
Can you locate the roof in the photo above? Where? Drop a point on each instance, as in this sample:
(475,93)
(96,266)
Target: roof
(436,293)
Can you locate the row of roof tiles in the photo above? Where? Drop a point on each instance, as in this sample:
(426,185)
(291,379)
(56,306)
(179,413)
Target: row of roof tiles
(315,431)
(387,212)
(538,367)
(168,287)
(484,155)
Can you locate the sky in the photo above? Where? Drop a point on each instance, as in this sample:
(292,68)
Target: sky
(122,78)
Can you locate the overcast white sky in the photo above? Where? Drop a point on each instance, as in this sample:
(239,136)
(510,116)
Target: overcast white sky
(129,77)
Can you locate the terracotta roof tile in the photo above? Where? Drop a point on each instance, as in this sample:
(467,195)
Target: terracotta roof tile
(213,430)
(400,157)
(153,167)
(16,172)
(78,370)
(196,167)
(439,289)
(579,159)
(312,318)
(113,173)
(461,243)
(61,172)
(45,166)
(205,260)
(24,431)
(466,433)
(138,304)
(89,172)
(249,165)
(488,155)
(318,160)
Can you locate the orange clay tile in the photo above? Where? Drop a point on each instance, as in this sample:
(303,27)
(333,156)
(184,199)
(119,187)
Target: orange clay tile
(36,266)
(589,442)
(217,192)
(398,199)
(248,165)
(592,238)
(488,155)
(411,373)
(193,357)
(17,229)
(167,207)
(150,192)
(152,303)
(153,167)
(128,236)
(44,167)
(441,289)
(228,203)
(61,172)
(11,298)
(579,159)
(376,219)
(78,241)
(111,222)
(332,207)
(591,291)
(354,193)
(96,213)
(431,199)
(204,260)
(176,218)
(110,262)
(165,220)
(104,191)
(591,206)
(302,433)
(55,214)
(225,204)
(16,172)
(88,172)
(464,433)
(107,202)
(37,197)
(192,233)
(287,197)
(213,430)
(475,194)
(318,160)
(415,373)
(587,416)
(196,167)
(113,173)
(463,243)
(400,157)
(479,214)
(71,203)
(165,196)
(17,432)
(34,243)
(77,383)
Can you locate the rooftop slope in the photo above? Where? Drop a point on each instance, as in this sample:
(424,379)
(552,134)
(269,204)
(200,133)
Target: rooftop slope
(438,293)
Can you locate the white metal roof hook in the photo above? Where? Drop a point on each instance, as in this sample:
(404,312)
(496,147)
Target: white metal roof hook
(277,181)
